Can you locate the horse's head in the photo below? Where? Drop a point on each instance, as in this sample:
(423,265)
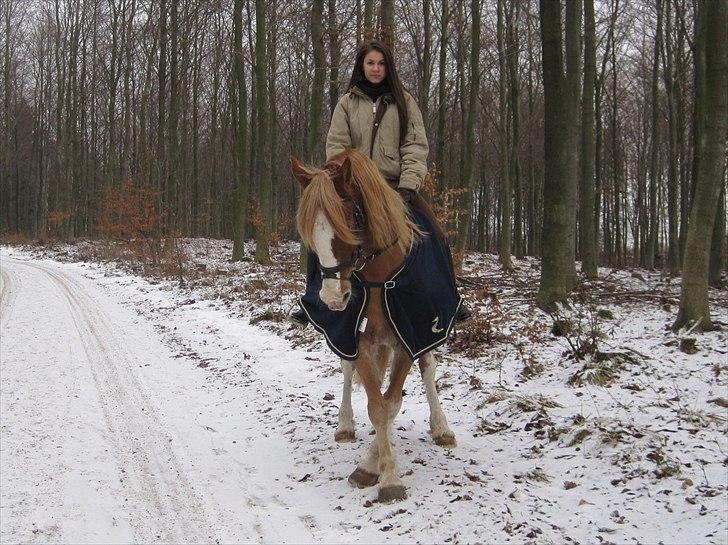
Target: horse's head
(331,221)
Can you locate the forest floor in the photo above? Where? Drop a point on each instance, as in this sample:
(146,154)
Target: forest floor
(178,404)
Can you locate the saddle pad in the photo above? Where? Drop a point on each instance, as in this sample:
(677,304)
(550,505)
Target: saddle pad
(420,299)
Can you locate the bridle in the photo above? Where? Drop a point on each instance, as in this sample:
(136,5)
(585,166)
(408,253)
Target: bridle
(358,258)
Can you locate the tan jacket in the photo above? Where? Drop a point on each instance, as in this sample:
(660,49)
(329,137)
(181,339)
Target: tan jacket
(351,127)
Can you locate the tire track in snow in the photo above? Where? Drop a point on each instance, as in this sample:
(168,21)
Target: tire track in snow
(162,502)
(9,286)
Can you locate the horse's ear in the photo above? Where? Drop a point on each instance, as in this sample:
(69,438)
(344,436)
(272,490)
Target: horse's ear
(300,173)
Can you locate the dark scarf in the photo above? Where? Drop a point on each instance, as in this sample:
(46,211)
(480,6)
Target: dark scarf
(371,90)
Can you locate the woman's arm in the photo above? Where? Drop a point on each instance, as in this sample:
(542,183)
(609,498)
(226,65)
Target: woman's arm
(413,151)
(339,136)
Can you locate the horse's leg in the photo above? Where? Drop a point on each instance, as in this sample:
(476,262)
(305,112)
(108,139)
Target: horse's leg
(390,486)
(441,432)
(367,472)
(345,429)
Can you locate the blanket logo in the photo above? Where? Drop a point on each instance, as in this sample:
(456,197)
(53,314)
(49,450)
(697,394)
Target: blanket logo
(435,325)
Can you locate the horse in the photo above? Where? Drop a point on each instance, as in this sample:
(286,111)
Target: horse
(352,219)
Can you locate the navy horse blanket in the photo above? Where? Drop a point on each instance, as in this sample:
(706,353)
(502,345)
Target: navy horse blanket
(420,299)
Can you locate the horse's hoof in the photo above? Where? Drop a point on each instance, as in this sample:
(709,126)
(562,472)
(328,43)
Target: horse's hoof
(363,479)
(392,492)
(344,436)
(446,439)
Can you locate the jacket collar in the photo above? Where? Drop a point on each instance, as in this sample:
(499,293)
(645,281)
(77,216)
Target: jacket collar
(387,97)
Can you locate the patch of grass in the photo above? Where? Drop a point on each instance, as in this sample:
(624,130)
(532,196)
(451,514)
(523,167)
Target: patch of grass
(603,369)
(268,315)
(537,475)
(528,404)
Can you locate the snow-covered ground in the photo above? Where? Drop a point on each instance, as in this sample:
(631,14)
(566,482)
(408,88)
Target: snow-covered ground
(136,409)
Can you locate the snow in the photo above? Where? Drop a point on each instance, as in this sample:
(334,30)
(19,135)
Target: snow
(133,409)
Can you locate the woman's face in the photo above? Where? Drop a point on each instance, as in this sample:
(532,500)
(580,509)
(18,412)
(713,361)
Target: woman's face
(374,68)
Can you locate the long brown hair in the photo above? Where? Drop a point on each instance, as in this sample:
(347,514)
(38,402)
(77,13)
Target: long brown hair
(391,78)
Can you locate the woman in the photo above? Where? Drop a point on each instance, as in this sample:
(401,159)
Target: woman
(378,117)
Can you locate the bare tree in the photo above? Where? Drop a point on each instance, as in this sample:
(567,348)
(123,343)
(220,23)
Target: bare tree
(711,67)
(562,93)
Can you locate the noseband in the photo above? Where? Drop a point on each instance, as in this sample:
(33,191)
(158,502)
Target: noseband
(358,258)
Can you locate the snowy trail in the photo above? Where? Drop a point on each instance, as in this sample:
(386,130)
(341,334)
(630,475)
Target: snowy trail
(104,450)
(136,411)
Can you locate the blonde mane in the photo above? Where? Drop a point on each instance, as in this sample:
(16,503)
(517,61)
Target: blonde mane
(386,213)
(320,194)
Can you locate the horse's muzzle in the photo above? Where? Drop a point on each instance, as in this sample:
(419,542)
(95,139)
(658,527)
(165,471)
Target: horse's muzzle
(335,298)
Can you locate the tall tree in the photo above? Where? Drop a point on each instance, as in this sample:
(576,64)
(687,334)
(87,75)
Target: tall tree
(514,107)
(561,107)
(334,56)
(648,255)
(442,89)
(386,20)
(587,234)
(711,68)
(241,135)
(673,183)
(262,166)
(471,113)
(504,148)
(313,144)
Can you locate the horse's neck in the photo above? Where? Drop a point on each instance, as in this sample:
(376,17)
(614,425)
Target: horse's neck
(384,265)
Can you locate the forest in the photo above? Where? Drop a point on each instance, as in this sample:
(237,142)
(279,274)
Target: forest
(589,131)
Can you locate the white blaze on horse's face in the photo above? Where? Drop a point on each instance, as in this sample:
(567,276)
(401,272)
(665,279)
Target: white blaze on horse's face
(334,292)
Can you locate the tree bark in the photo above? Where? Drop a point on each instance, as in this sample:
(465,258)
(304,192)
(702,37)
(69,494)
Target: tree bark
(241,135)
(561,105)
(649,252)
(711,69)
(313,144)
(387,22)
(262,167)
(442,92)
(587,234)
(504,148)
(472,113)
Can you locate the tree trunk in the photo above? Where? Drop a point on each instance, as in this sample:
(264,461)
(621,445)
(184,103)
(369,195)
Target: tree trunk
(262,167)
(472,114)
(651,249)
(313,144)
(387,22)
(442,93)
(587,235)
(561,108)
(504,148)
(671,84)
(334,56)
(718,241)
(241,136)
(425,68)
(514,103)
(711,69)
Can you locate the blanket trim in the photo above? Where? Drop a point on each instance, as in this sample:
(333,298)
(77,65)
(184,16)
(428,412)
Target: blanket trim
(357,323)
(393,325)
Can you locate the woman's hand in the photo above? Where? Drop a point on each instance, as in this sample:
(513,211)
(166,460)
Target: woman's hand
(407,195)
